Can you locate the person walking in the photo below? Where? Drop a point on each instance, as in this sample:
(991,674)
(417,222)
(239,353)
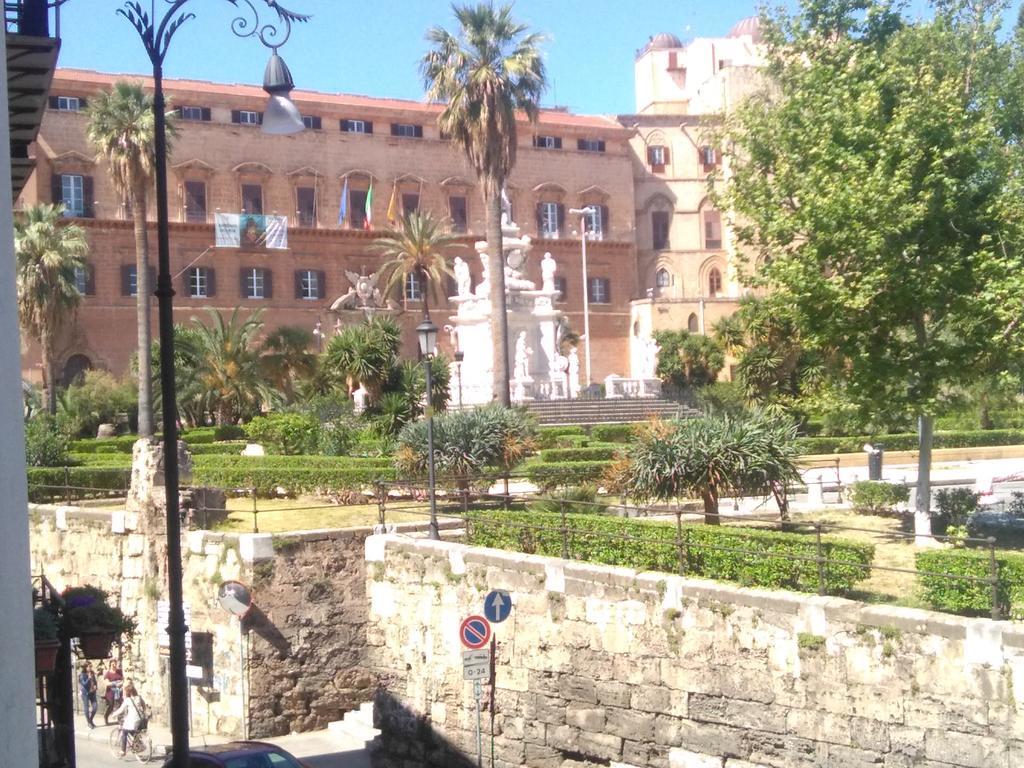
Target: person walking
(87,685)
(112,696)
(133,710)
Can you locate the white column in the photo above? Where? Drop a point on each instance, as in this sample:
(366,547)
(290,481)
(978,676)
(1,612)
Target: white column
(17,673)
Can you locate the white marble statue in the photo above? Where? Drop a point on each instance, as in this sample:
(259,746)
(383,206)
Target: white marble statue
(651,359)
(574,373)
(484,286)
(463,281)
(506,208)
(548,265)
(521,369)
(548,345)
(359,400)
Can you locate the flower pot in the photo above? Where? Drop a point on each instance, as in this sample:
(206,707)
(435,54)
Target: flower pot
(96,645)
(46,657)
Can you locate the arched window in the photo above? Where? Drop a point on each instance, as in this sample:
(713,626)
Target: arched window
(714,282)
(663,279)
(74,369)
(692,323)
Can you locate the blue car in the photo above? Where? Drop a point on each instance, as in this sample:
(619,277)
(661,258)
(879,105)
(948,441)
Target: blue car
(241,754)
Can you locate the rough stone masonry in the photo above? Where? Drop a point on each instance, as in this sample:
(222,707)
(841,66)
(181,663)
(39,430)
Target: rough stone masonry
(611,667)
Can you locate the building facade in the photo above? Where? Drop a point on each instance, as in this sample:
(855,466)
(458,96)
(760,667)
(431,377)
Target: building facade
(335,184)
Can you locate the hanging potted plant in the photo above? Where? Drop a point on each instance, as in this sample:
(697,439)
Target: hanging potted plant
(46,628)
(94,621)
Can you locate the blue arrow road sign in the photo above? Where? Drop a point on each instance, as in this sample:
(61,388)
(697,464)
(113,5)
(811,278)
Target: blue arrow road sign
(497,606)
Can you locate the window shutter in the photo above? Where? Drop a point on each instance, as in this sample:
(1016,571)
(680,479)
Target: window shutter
(419,131)
(558,142)
(561,220)
(90,280)
(298,283)
(607,290)
(668,159)
(82,103)
(606,222)
(369,126)
(211,281)
(53,102)
(56,193)
(126,277)
(178,112)
(259,118)
(650,155)
(540,218)
(87,193)
(535,140)
(321,284)
(600,145)
(268,284)
(343,125)
(236,116)
(581,144)
(243,282)
(186,288)
(394,129)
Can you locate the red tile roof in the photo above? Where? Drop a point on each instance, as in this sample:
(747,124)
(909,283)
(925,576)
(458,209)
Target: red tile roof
(84,78)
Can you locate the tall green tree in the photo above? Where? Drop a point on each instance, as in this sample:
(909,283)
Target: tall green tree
(287,359)
(363,355)
(688,359)
(416,247)
(878,182)
(122,128)
(485,73)
(48,253)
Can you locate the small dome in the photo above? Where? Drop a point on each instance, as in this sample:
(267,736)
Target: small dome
(748,27)
(664,40)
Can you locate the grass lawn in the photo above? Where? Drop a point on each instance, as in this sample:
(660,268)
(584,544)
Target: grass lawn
(309,513)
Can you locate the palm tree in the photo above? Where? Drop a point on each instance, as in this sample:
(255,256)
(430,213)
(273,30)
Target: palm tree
(484,74)
(287,359)
(48,254)
(121,127)
(415,248)
(227,362)
(363,355)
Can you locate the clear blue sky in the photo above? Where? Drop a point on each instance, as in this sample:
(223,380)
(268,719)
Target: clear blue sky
(372,46)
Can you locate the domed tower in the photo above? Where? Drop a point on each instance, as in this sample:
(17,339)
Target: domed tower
(659,75)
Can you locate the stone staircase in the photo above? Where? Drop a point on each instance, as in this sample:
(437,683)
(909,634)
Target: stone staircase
(604,411)
(356,725)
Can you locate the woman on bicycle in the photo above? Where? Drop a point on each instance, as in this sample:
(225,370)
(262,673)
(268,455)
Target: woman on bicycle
(133,710)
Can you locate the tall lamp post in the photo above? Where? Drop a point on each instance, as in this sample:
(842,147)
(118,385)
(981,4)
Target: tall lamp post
(426,333)
(459,357)
(280,117)
(584,214)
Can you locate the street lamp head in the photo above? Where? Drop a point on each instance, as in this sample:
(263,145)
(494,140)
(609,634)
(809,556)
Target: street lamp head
(459,355)
(281,116)
(426,333)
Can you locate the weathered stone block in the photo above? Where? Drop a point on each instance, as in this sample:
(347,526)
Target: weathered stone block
(650,699)
(781,751)
(630,724)
(613,694)
(848,757)
(714,739)
(684,758)
(587,719)
(964,749)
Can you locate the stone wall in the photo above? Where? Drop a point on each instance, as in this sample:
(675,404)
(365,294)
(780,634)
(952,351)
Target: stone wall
(607,666)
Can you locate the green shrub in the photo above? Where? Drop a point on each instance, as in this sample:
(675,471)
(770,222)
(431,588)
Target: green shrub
(47,483)
(288,462)
(225,448)
(580,498)
(200,435)
(909,441)
(98,399)
(45,445)
(592,453)
(290,434)
(745,555)
(971,595)
(870,497)
(557,475)
(296,480)
(228,432)
(121,444)
(547,437)
(614,433)
(954,506)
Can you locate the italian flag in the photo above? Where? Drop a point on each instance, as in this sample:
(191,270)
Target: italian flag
(368,222)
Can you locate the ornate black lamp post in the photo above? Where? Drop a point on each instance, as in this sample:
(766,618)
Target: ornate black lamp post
(280,117)
(426,333)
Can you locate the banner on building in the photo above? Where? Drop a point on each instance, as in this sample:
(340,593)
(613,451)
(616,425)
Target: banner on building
(246,230)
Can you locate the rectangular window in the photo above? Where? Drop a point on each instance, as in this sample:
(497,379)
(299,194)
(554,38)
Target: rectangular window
(562,287)
(252,199)
(82,280)
(659,230)
(195,201)
(547,142)
(72,191)
(356,126)
(309,284)
(657,157)
(458,213)
(305,201)
(410,203)
(357,208)
(312,122)
(69,103)
(256,283)
(194,114)
(708,157)
(595,222)
(407,130)
(130,281)
(246,117)
(548,219)
(590,145)
(198,283)
(413,287)
(712,230)
(599,290)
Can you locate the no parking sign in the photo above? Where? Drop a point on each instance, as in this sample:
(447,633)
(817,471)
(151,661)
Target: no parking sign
(475,632)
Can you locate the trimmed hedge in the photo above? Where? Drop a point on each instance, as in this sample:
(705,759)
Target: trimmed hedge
(590,453)
(614,433)
(48,483)
(554,475)
(122,444)
(547,437)
(266,480)
(222,448)
(276,461)
(971,597)
(909,441)
(748,556)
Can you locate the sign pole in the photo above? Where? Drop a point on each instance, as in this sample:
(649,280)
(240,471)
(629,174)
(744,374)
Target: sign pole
(494,657)
(479,738)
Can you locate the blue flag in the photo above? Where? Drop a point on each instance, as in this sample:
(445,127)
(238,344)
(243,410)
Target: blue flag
(343,207)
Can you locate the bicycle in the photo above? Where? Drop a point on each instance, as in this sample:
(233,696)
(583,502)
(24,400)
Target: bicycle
(139,744)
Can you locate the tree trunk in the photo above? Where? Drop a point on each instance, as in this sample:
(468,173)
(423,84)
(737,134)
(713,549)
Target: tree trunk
(782,500)
(496,277)
(49,375)
(710,498)
(142,313)
(923,499)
